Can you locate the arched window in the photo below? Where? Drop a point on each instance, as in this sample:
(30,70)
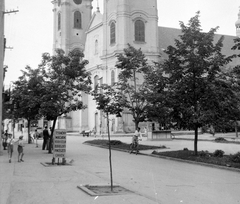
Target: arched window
(95,82)
(96,47)
(59,21)
(77,20)
(139,31)
(112,78)
(112,33)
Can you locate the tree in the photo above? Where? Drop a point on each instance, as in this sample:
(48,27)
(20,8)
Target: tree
(155,92)
(65,77)
(199,91)
(25,96)
(7,106)
(110,102)
(132,64)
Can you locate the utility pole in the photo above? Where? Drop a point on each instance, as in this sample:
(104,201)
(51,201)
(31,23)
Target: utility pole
(2,47)
(2,50)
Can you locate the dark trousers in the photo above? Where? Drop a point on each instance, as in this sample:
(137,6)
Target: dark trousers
(45,143)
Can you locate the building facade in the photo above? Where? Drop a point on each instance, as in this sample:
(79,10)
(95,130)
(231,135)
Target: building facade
(101,36)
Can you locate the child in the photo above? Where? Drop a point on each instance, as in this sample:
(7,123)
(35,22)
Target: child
(10,142)
(20,149)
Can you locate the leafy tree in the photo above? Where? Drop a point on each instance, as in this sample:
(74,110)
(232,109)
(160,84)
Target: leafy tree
(110,102)
(133,64)
(65,77)
(159,108)
(199,91)
(7,106)
(25,97)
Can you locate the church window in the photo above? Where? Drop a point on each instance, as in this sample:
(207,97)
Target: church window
(112,33)
(77,20)
(59,21)
(139,31)
(112,78)
(59,2)
(77,1)
(96,47)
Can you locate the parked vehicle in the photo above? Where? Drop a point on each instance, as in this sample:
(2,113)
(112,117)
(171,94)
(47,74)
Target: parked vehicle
(86,133)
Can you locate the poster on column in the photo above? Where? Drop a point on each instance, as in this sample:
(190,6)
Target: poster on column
(59,144)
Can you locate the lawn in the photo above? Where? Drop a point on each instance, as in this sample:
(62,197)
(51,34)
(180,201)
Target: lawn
(217,158)
(120,145)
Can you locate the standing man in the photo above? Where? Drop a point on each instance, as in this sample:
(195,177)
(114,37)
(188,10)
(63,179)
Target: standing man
(45,138)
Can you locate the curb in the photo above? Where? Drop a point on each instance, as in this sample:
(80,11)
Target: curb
(172,158)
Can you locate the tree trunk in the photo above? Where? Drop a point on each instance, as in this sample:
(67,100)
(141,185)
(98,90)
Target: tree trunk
(236,128)
(29,135)
(136,124)
(51,136)
(196,140)
(110,155)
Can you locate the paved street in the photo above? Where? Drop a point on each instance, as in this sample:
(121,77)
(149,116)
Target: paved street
(153,180)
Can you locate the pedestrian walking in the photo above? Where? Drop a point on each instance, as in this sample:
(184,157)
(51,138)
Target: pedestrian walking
(10,145)
(4,139)
(45,138)
(145,133)
(36,136)
(94,132)
(20,149)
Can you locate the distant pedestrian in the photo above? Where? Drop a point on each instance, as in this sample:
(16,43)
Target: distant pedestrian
(45,138)
(36,136)
(10,145)
(94,132)
(4,139)
(20,149)
(145,133)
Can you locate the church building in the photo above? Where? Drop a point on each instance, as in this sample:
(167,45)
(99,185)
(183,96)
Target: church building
(101,36)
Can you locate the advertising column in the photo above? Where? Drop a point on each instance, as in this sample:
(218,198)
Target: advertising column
(59,145)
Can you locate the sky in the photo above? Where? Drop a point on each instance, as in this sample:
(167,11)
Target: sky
(29,31)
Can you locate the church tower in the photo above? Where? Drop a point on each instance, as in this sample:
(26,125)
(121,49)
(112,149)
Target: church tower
(130,21)
(71,20)
(133,22)
(237,24)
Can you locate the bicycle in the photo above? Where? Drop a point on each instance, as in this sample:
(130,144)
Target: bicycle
(134,145)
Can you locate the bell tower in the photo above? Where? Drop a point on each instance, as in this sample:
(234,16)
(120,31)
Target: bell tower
(130,21)
(71,19)
(237,24)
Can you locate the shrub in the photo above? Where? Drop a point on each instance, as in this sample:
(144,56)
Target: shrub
(218,153)
(185,149)
(235,158)
(204,154)
(220,139)
(114,142)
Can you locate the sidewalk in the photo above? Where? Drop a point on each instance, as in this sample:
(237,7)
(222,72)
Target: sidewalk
(57,185)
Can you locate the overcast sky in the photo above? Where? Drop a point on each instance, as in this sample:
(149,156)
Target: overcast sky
(30,31)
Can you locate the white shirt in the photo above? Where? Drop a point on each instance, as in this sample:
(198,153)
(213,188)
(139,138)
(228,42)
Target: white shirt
(10,141)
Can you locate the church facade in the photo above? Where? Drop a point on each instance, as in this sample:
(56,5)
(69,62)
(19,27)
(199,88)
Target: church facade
(101,36)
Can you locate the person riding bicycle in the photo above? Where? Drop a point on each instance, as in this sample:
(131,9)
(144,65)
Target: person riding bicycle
(135,139)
